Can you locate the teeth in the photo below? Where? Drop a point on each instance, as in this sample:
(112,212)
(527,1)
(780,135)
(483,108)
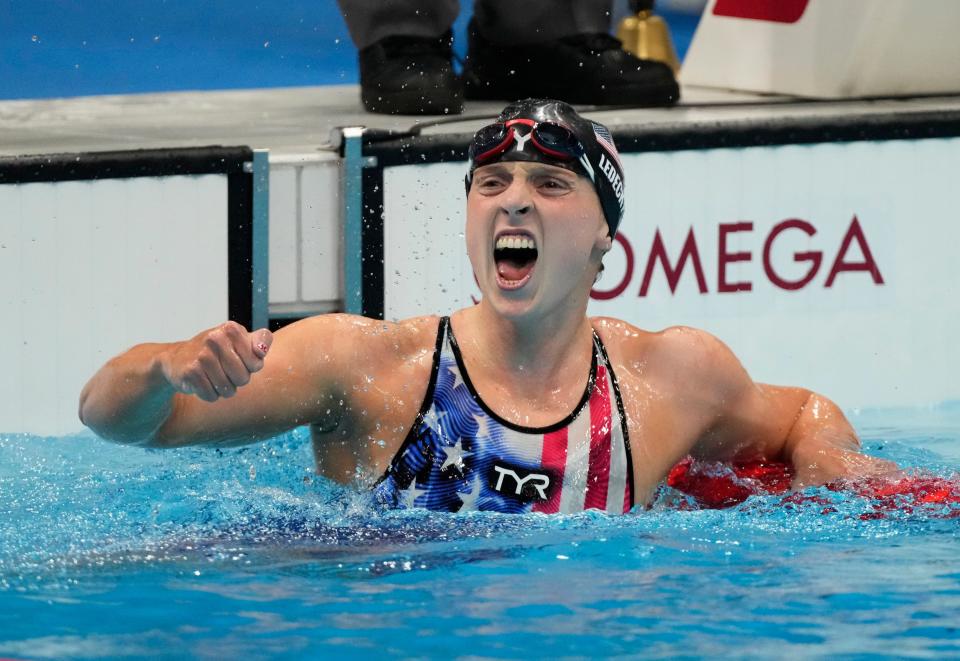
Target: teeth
(515,242)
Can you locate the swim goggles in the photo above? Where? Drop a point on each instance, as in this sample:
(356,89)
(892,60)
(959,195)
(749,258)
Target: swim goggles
(554,140)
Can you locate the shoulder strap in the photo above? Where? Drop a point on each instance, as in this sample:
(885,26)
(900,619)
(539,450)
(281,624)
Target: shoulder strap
(427,398)
(620,412)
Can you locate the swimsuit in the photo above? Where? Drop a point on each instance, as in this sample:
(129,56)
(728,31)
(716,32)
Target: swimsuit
(461,456)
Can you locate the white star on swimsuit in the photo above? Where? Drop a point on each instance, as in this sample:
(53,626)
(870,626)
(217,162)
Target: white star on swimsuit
(481,425)
(433,420)
(470,498)
(455,455)
(457,377)
(409,495)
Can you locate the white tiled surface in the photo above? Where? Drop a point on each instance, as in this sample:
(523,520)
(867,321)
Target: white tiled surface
(320,231)
(305,236)
(87,270)
(284,251)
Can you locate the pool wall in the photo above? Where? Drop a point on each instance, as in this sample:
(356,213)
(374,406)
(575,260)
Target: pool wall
(103,251)
(815,238)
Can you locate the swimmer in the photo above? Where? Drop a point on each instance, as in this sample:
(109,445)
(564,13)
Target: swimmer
(519,403)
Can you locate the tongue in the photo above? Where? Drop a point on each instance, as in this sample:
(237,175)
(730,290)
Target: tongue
(510,270)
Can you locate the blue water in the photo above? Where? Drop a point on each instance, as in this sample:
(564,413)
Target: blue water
(113,552)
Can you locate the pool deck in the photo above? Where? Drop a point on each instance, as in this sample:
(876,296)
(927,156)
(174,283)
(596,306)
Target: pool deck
(301,120)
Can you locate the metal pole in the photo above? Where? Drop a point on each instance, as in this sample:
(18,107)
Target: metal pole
(261,239)
(353,219)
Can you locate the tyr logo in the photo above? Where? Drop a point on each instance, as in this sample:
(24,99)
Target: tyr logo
(528,486)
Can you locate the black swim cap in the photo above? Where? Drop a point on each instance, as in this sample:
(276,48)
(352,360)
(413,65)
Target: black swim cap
(555,135)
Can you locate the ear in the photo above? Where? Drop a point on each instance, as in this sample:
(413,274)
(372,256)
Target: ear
(605,243)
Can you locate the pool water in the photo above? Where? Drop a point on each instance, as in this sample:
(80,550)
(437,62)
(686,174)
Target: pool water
(113,552)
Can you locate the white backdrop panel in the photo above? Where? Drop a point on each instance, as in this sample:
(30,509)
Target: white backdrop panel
(90,268)
(284,263)
(873,325)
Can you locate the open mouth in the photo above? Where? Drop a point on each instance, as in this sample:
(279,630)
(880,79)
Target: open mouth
(515,256)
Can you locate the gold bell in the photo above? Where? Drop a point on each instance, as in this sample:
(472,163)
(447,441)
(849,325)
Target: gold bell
(647,36)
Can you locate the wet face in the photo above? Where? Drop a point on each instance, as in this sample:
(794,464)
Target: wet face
(535,236)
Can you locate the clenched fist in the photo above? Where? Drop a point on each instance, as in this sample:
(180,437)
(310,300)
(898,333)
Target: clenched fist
(214,363)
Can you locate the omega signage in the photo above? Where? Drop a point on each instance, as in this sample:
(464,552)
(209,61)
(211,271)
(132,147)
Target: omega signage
(821,266)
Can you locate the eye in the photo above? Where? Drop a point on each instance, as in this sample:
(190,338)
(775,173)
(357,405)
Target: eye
(491,184)
(553,185)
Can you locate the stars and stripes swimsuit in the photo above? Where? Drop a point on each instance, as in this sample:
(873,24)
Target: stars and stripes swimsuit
(461,456)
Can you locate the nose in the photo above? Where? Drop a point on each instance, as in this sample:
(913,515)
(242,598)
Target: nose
(517,201)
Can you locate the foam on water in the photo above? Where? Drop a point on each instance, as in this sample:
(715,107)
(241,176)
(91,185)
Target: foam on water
(108,551)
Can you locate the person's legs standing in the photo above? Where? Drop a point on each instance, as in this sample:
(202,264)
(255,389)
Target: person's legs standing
(537,21)
(369,21)
(405,55)
(558,49)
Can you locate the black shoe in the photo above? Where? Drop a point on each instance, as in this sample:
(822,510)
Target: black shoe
(410,76)
(587,69)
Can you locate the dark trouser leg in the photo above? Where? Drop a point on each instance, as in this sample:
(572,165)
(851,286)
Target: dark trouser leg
(559,49)
(405,55)
(534,21)
(370,21)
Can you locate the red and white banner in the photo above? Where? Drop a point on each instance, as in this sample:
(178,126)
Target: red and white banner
(830,266)
(827,48)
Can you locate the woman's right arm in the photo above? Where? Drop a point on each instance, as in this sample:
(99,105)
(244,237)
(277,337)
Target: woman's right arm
(131,397)
(227,385)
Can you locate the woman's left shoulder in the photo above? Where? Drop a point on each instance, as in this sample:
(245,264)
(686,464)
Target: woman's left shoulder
(620,338)
(676,345)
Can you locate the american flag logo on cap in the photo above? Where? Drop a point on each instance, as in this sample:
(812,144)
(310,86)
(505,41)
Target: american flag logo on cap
(606,141)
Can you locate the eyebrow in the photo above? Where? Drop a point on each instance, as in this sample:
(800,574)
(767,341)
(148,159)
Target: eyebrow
(494,168)
(538,170)
(554,171)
